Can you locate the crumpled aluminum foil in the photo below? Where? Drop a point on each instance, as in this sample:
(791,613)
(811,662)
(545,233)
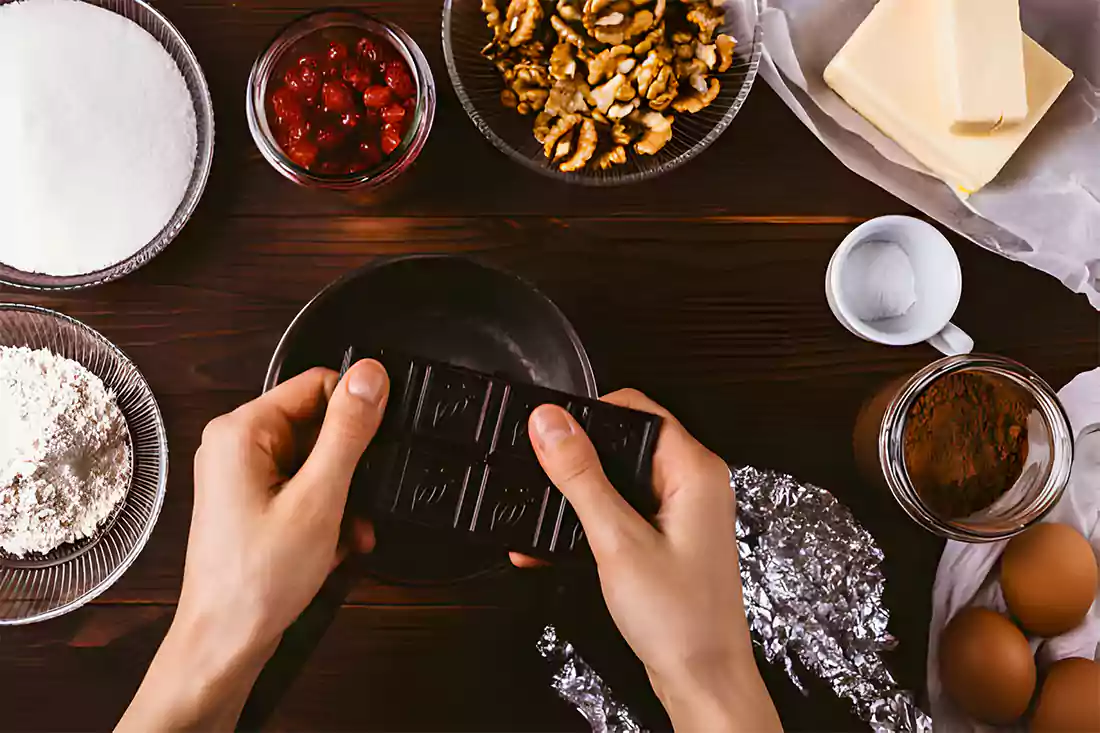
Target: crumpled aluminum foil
(813,592)
(580,685)
(813,587)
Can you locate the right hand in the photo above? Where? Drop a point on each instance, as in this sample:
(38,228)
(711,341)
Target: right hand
(673,589)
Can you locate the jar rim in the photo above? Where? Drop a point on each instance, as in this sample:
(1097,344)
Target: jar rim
(891,442)
(313,22)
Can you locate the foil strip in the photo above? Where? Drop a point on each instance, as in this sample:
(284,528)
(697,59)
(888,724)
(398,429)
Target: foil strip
(813,586)
(579,685)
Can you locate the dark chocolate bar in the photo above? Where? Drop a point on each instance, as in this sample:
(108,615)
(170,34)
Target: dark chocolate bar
(453,453)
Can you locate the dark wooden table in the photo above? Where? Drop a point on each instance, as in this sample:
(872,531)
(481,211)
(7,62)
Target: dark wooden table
(703,288)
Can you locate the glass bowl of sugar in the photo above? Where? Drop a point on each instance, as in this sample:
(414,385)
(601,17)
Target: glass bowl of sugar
(104,478)
(112,167)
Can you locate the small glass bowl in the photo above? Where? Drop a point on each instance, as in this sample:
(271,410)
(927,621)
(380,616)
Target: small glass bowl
(478,86)
(268,62)
(880,450)
(36,588)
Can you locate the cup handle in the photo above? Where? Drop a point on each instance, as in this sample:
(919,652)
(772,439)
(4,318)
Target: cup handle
(952,341)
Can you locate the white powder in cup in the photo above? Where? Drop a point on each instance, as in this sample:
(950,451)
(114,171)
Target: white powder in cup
(878,281)
(98,135)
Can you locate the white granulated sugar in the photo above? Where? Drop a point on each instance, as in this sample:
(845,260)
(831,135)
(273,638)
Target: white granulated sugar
(65,459)
(98,133)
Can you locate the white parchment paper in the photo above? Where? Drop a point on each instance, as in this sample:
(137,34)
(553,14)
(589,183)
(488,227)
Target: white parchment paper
(1044,207)
(967,575)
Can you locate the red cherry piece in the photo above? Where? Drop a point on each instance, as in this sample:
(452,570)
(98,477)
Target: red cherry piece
(391,139)
(356,77)
(367,50)
(299,131)
(393,114)
(303,81)
(332,168)
(337,52)
(286,106)
(307,60)
(304,153)
(337,98)
(330,138)
(350,120)
(377,97)
(398,79)
(369,154)
(372,119)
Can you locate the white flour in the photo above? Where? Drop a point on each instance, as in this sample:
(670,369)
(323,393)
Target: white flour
(65,459)
(98,133)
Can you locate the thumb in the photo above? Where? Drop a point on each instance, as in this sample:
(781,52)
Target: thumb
(570,460)
(351,420)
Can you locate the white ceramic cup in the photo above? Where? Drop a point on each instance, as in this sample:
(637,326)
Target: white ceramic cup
(937,279)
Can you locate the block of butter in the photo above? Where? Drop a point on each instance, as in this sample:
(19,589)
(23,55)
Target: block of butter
(982,64)
(887,72)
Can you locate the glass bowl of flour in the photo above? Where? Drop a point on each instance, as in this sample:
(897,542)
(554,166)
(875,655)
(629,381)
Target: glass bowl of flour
(83,464)
(110,136)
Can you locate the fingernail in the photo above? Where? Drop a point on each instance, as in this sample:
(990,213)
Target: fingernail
(367,381)
(551,426)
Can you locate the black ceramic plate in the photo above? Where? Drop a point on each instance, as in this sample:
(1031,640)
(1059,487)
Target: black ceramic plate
(445,308)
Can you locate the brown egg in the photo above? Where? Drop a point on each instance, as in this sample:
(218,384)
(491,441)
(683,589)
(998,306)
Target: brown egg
(986,666)
(1070,699)
(1048,575)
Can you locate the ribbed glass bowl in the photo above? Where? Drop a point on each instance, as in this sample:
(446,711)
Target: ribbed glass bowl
(35,588)
(478,85)
(160,28)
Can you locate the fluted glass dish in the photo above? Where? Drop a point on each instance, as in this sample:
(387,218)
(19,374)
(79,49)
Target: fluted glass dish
(38,587)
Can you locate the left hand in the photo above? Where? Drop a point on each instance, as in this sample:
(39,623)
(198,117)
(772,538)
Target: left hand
(264,537)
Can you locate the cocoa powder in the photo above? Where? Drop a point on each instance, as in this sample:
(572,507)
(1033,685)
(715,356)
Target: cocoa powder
(966,441)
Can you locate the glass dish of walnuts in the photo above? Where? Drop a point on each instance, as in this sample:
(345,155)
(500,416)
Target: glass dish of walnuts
(602,91)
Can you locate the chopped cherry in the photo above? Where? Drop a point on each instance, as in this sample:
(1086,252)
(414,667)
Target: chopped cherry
(377,97)
(356,77)
(393,114)
(370,153)
(337,52)
(336,97)
(372,118)
(298,132)
(398,79)
(303,152)
(366,50)
(286,106)
(303,81)
(307,60)
(330,137)
(391,138)
(350,120)
(332,168)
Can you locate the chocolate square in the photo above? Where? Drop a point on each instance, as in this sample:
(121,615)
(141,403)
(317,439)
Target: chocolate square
(453,405)
(432,486)
(510,508)
(620,437)
(512,435)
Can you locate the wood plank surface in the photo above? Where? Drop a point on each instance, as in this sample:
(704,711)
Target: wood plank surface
(703,288)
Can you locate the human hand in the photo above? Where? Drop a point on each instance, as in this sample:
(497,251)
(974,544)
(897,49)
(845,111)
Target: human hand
(673,589)
(265,535)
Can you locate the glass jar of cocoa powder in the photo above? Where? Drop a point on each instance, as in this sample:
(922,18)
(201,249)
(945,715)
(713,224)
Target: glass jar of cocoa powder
(974,448)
